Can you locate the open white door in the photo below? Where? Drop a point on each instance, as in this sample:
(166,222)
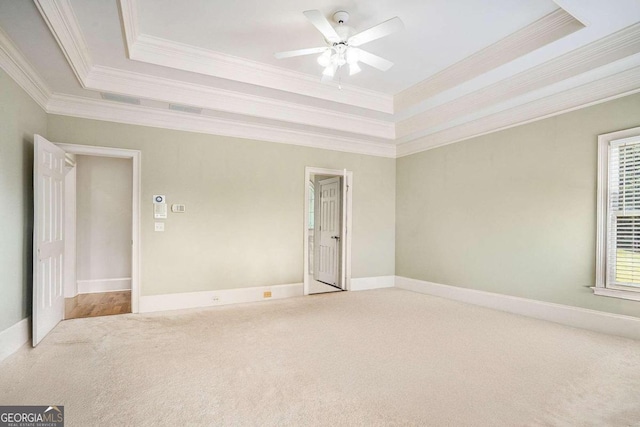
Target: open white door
(48,237)
(329,231)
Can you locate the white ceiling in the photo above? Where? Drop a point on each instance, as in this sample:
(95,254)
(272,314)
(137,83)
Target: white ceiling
(461,68)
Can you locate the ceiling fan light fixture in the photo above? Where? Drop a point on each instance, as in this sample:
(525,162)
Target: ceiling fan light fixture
(352,56)
(325,59)
(341,42)
(329,71)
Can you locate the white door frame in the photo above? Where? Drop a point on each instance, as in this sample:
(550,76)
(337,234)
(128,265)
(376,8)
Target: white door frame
(135,156)
(345,267)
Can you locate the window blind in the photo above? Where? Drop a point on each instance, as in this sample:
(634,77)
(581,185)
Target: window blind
(623,245)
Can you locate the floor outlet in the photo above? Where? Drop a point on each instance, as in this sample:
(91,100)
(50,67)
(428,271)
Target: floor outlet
(267,294)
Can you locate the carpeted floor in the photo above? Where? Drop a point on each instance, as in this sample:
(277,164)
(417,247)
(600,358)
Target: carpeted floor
(383,357)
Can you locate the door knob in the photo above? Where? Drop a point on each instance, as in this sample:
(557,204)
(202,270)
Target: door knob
(335,237)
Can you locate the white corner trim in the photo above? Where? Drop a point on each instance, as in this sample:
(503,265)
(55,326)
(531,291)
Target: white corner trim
(14,337)
(153,303)
(98,109)
(63,23)
(377,282)
(13,62)
(104,285)
(598,321)
(547,29)
(129,13)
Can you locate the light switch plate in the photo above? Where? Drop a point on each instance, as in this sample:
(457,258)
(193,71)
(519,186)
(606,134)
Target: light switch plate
(159,226)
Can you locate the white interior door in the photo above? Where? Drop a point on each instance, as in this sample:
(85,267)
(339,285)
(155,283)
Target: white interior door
(48,242)
(329,230)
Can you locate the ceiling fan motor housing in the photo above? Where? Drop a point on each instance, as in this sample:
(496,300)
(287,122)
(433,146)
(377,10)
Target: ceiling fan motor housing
(341,17)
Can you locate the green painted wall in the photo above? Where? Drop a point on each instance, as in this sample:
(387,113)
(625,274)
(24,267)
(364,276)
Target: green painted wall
(513,212)
(20,119)
(244,200)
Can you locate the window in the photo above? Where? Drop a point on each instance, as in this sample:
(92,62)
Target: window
(618,246)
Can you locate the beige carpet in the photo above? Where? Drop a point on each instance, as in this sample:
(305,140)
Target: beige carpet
(384,357)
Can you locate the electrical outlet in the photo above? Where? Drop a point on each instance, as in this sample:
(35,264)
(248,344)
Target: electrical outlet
(267,294)
(215,298)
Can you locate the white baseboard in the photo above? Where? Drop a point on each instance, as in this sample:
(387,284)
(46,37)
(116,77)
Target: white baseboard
(598,321)
(14,337)
(366,283)
(104,285)
(152,303)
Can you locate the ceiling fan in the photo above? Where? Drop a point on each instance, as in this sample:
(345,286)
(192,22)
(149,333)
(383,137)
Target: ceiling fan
(343,44)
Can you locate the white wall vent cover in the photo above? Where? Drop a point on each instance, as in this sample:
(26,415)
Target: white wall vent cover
(185,108)
(120,98)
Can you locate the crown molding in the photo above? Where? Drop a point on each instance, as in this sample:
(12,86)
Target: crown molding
(129,16)
(547,29)
(18,68)
(158,51)
(595,92)
(99,109)
(614,47)
(62,21)
(107,79)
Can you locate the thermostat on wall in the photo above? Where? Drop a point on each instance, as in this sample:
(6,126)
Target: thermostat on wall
(178,208)
(159,206)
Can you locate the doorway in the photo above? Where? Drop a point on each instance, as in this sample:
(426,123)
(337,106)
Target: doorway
(51,232)
(100,282)
(327,230)
(98,206)
(50,260)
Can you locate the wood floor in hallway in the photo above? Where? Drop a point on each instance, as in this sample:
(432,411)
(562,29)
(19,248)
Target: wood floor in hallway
(98,304)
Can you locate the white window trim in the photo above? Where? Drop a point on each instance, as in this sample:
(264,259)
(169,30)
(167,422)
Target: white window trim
(601,287)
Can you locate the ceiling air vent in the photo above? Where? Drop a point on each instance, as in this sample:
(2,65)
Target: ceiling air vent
(185,108)
(120,98)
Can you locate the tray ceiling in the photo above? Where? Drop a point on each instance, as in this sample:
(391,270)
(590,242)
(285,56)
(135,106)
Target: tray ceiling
(460,69)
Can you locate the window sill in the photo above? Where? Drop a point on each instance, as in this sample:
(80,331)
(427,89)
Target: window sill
(616,293)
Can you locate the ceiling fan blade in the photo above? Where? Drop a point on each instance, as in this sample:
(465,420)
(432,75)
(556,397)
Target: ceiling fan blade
(374,60)
(376,32)
(299,52)
(321,23)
